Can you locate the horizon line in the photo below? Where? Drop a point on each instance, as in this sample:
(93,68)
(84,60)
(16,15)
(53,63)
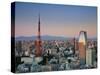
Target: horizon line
(56,36)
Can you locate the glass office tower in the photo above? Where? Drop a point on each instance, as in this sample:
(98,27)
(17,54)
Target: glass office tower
(82,47)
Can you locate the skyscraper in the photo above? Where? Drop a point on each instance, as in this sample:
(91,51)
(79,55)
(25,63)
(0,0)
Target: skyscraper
(82,47)
(19,48)
(75,43)
(38,51)
(90,55)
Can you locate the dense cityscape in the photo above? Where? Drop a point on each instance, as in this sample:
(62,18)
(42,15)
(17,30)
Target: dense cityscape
(55,55)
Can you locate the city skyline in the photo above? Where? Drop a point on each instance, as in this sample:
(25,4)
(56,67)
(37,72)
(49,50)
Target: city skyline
(48,37)
(56,20)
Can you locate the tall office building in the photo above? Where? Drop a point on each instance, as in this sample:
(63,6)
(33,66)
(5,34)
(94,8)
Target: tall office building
(90,55)
(75,43)
(38,51)
(89,59)
(82,44)
(19,48)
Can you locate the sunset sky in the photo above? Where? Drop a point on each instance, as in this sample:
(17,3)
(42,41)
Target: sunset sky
(56,20)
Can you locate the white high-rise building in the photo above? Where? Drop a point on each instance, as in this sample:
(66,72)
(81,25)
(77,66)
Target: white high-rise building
(89,57)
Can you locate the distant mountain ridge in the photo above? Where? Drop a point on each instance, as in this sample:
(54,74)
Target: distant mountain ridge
(46,37)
